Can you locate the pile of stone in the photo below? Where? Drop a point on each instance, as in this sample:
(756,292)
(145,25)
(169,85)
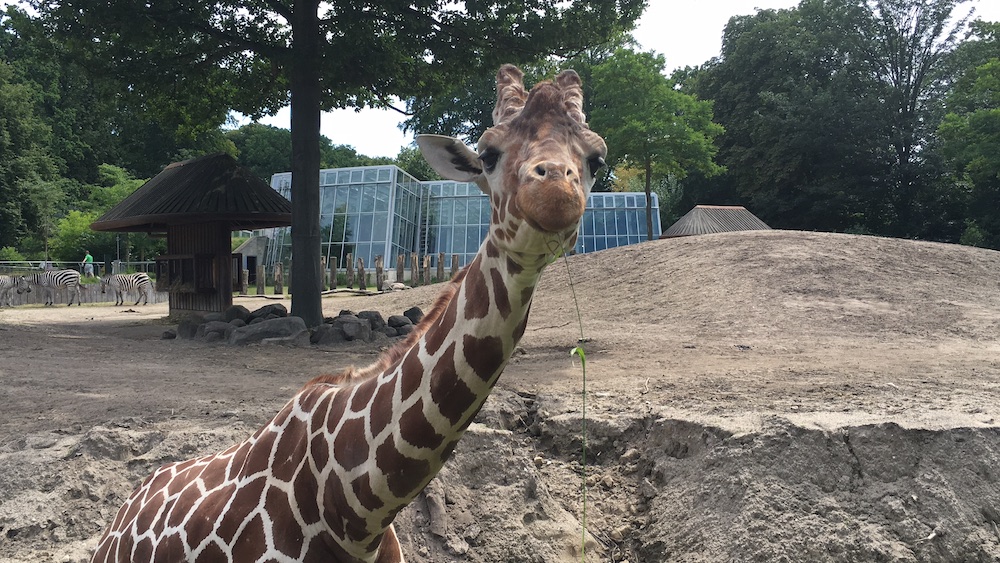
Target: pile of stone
(272,324)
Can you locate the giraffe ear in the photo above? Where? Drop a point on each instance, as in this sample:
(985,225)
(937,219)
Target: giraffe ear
(450,158)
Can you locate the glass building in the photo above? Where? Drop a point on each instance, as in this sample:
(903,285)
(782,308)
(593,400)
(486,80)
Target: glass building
(374,211)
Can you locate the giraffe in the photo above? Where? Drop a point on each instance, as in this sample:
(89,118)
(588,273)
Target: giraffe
(325,478)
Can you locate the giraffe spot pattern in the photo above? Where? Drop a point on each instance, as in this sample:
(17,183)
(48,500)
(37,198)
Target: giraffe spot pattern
(348,450)
(417,430)
(403,474)
(484,355)
(448,391)
(500,297)
(477,297)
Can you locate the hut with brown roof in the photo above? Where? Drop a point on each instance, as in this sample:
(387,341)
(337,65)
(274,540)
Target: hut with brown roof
(197,204)
(706,219)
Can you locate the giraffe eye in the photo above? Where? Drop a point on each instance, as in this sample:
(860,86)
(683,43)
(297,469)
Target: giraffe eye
(596,163)
(489,158)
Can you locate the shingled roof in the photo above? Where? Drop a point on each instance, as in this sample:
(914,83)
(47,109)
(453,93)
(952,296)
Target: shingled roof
(211,188)
(706,219)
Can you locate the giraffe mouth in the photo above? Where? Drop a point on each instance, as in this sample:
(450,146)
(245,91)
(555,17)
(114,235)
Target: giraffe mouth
(551,207)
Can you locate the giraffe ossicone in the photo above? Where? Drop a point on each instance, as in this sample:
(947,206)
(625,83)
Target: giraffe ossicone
(325,478)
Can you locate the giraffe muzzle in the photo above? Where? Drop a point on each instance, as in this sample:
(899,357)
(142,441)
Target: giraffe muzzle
(553,204)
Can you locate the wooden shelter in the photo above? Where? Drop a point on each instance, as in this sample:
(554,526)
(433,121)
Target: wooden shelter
(197,204)
(706,219)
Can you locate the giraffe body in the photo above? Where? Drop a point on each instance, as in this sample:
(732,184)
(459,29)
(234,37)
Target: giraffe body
(325,478)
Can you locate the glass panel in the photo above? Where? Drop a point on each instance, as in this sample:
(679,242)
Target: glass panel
(382,198)
(598,200)
(447,213)
(384,174)
(633,222)
(472,240)
(340,204)
(368,198)
(355,176)
(326,197)
(459,240)
(448,190)
(339,222)
(370,174)
(354,204)
(619,200)
(365,227)
(444,237)
(461,212)
(622,241)
(621,222)
(343,176)
(381,227)
(474,210)
(352,228)
(599,223)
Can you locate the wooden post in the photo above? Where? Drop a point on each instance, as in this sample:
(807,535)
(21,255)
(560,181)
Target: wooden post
(279,280)
(350,270)
(440,268)
(414,268)
(427,269)
(244,281)
(333,272)
(362,282)
(400,267)
(454,265)
(261,279)
(322,273)
(379,273)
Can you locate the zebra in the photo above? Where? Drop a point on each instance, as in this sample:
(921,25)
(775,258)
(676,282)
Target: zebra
(50,281)
(7,285)
(123,283)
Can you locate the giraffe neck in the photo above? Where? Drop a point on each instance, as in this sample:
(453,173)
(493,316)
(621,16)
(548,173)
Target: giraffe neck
(415,410)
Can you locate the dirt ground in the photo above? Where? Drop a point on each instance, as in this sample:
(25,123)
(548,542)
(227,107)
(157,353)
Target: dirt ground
(762,396)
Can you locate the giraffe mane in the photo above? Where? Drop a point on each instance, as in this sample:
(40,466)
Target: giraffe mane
(394,355)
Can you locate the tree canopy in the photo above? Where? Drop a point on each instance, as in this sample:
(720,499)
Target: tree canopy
(194,61)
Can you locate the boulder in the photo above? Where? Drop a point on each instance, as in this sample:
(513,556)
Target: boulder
(273,328)
(327,334)
(276,309)
(237,312)
(414,314)
(353,328)
(396,321)
(375,318)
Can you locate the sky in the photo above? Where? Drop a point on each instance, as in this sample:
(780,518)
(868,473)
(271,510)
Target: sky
(686,33)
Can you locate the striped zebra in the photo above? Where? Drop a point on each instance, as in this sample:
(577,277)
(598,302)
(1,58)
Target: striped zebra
(51,281)
(123,283)
(7,285)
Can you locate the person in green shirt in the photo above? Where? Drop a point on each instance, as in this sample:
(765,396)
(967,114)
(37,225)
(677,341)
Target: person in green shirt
(88,265)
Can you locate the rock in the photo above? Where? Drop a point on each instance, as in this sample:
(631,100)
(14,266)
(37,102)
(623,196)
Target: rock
(353,328)
(414,314)
(237,312)
(404,330)
(327,334)
(219,327)
(276,309)
(375,318)
(213,317)
(169,334)
(300,340)
(187,328)
(274,328)
(396,321)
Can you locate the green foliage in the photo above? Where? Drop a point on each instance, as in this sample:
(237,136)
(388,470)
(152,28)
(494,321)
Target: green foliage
(972,235)
(650,125)
(411,160)
(10,254)
(970,135)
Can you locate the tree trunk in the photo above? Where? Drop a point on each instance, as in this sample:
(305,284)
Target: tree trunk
(306,279)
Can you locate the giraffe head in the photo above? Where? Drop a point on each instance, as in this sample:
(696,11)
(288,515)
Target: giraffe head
(537,163)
